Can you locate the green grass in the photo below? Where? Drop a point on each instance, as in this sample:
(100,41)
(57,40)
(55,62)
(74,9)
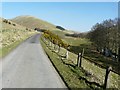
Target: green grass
(97,74)
(73,76)
(5,50)
(77,41)
(12,36)
(77,45)
(60,33)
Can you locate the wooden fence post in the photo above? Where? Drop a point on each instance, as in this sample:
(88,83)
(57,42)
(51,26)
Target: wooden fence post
(119,54)
(67,55)
(81,56)
(106,76)
(80,62)
(78,59)
(83,52)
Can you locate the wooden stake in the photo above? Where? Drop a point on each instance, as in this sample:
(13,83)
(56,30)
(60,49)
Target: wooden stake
(78,60)
(106,76)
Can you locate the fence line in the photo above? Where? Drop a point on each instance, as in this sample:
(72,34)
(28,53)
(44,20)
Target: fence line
(108,69)
(81,59)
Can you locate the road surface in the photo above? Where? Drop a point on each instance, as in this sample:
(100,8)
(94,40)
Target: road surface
(28,67)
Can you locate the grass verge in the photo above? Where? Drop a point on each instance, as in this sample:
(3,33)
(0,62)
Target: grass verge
(6,50)
(74,77)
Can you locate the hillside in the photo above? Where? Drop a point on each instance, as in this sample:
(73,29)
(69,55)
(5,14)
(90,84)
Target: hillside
(12,34)
(33,22)
(9,24)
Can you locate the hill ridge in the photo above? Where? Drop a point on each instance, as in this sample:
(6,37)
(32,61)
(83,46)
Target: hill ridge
(33,22)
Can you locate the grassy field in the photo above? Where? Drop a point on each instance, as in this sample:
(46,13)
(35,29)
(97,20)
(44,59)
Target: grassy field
(77,45)
(90,74)
(12,40)
(5,50)
(66,71)
(8,48)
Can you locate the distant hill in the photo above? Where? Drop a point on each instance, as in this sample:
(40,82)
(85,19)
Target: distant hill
(33,22)
(36,23)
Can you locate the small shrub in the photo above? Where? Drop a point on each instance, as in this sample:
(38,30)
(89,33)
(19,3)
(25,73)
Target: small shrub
(9,22)
(26,28)
(6,21)
(14,24)
(55,39)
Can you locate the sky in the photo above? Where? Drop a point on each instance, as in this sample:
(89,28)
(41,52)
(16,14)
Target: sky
(60,0)
(76,16)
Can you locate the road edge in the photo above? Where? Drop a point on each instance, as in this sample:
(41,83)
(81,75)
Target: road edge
(57,71)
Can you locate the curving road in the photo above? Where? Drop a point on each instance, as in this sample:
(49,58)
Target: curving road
(28,67)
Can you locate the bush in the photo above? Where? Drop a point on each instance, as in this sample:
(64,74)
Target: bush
(26,28)
(14,24)
(9,22)
(6,21)
(55,39)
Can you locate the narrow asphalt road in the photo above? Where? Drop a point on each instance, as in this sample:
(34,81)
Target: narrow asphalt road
(28,67)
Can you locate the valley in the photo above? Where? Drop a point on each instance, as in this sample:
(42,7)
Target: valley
(61,47)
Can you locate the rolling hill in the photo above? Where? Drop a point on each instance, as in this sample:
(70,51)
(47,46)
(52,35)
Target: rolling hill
(11,32)
(8,24)
(33,22)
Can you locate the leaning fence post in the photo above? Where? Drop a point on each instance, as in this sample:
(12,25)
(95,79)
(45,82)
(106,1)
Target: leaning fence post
(106,76)
(81,56)
(67,55)
(78,59)
(83,52)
